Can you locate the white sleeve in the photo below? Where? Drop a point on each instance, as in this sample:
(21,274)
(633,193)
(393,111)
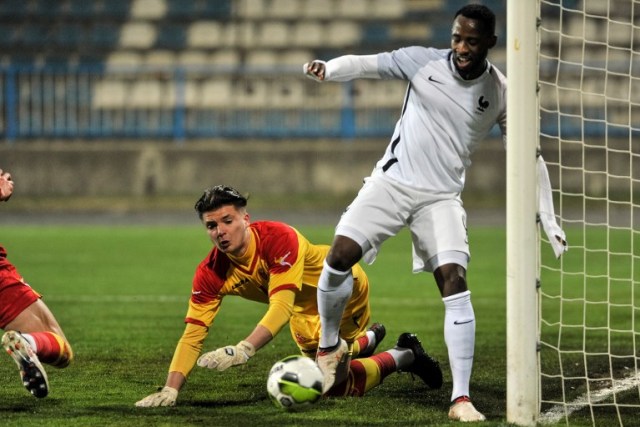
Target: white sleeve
(349,67)
(554,233)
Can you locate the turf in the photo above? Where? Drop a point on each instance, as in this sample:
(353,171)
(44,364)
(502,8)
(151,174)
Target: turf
(120,294)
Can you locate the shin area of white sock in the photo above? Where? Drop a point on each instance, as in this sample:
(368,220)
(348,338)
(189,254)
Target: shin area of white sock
(31,341)
(334,291)
(459,334)
(402,356)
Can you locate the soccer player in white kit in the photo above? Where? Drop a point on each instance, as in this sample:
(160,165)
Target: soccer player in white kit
(454,97)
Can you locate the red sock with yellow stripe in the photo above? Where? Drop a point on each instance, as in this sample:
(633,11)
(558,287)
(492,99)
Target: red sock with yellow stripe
(365,374)
(52,349)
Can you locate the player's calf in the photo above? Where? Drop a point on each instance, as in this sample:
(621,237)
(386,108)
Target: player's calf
(52,349)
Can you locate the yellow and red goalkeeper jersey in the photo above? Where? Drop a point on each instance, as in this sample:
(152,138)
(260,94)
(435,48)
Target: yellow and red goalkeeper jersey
(278,258)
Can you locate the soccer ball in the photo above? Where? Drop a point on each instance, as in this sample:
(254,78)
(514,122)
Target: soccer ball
(295,381)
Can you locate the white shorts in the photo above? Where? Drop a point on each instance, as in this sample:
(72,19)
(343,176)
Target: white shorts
(437,222)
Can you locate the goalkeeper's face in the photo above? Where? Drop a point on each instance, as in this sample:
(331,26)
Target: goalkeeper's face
(228,229)
(470,44)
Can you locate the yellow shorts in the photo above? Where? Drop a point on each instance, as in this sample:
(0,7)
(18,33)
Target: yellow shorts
(305,328)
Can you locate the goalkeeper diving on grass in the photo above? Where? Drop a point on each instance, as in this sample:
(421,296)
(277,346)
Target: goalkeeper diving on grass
(272,263)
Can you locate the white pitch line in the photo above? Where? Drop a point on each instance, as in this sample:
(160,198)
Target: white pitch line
(558,412)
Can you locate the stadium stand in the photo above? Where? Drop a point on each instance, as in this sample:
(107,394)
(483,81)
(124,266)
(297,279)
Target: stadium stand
(137,54)
(101,27)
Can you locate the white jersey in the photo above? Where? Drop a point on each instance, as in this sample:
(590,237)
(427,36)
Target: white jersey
(443,117)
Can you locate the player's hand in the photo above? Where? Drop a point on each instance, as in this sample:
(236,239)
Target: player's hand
(225,357)
(165,397)
(6,186)
(315,70)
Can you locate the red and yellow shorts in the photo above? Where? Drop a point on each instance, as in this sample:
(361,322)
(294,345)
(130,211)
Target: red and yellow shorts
(15,294)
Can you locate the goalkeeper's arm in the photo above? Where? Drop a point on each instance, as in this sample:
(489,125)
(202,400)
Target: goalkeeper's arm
(184,358)
(278,314)
(167,395)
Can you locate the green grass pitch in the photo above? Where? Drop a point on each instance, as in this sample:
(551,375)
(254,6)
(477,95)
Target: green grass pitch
(120,294)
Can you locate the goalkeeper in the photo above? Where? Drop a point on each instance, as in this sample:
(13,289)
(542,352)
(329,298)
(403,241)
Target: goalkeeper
(272,263)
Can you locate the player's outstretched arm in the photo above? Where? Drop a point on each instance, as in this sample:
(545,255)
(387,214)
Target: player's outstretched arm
(278,314)
(343,68)
(235,355)
(184,359)
(6,186)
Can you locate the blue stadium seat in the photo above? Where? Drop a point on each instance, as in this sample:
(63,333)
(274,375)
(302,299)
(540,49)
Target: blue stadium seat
(375,33)
(219,9)
(23,59)
(35,36)
(190,10)
(182,9)
(47,8)
(13,9)
(91,59)
(104,35)
(116,9)
(57,61)
(70,36)
(82,9)
(171,36)
(8,35)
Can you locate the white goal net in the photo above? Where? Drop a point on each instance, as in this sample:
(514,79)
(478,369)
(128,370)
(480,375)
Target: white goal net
(589,300)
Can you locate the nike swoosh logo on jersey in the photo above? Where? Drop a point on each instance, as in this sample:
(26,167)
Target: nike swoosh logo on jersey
(282,259)
(462,322)
(431,79)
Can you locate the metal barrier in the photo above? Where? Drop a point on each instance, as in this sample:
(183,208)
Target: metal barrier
(177,103)
(174,103)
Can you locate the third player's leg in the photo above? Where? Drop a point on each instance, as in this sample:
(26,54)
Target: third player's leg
(38,323)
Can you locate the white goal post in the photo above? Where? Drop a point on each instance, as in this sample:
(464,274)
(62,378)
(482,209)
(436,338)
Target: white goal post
(574,91)
(522,141)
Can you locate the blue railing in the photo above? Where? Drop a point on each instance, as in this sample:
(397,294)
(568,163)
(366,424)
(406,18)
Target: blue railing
(94,102)
(89,102)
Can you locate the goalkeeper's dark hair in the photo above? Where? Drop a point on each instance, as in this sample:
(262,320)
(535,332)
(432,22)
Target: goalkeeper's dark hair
(218,196)
(480,13)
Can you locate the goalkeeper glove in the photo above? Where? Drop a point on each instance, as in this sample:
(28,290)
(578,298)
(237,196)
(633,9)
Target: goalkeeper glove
(228,356)
(165,397)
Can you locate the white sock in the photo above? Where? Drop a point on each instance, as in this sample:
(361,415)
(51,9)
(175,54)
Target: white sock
(403,357)
(31,342)
(371,341)
(334,291)
(459,334)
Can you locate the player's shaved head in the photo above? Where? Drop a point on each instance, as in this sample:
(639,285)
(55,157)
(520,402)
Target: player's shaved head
(218,196)
(479,13)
